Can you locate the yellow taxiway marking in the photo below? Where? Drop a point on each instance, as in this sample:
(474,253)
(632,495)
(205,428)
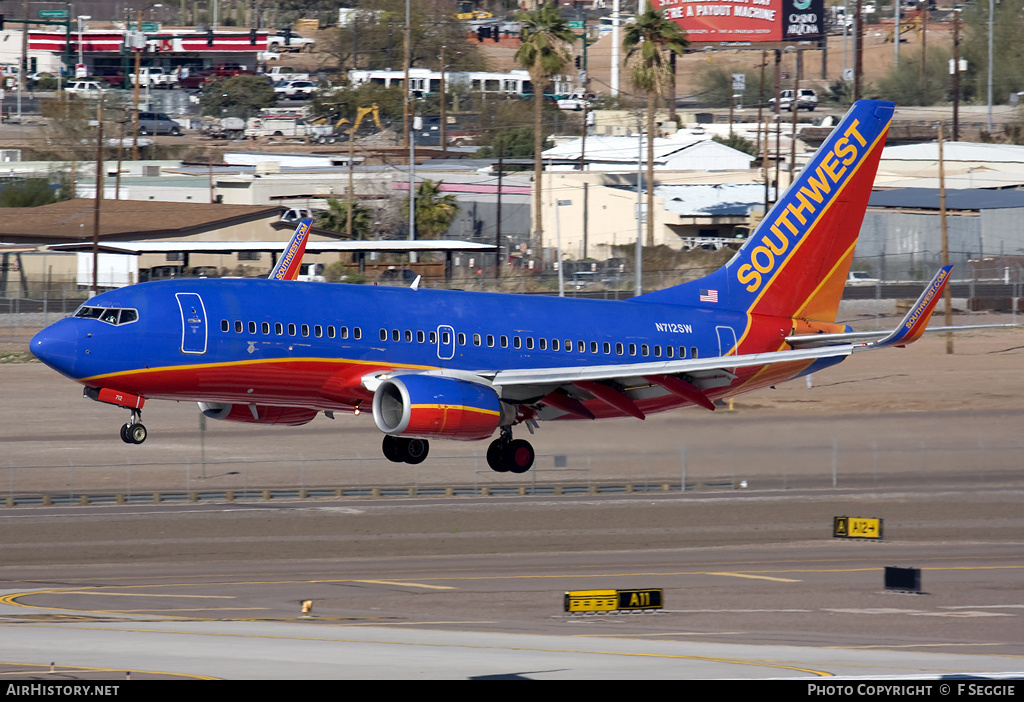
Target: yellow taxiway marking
(779,665)
(136,594)
(757,577)
(43,668)
(403,584)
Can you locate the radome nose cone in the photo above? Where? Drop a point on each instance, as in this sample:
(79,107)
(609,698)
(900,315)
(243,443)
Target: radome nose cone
(57,347)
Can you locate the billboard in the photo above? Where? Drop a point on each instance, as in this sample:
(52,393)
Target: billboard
(746,20)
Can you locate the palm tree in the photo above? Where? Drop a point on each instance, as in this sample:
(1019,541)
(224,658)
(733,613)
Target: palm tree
(335,219)
(546,40)
(646,42)
(434,212)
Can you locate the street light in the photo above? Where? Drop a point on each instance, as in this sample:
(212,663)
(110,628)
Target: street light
(80,61)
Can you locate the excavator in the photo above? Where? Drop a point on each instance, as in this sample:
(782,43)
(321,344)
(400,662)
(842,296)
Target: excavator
(337,131)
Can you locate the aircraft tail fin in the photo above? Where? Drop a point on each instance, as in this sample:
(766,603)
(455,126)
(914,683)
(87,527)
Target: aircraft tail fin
(796,261)
(287,267)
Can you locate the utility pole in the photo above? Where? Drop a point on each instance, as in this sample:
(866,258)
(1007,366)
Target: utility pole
(858,52)
(796,109)
(497,222)
(948,295)
(97,199)
(956,75)
(405,85)
(444,116)
(135,95)
(924,39)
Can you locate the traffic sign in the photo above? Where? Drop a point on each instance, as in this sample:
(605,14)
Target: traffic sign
(53,14)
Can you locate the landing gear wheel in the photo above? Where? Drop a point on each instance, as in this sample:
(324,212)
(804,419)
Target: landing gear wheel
(400,450)
(519,456)
(506,455)
(416,450)
(134,433)
(137,433)
(392,450)
(494,456)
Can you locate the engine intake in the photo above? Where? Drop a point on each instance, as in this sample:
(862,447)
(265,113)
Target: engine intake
(437,407)
(258,414)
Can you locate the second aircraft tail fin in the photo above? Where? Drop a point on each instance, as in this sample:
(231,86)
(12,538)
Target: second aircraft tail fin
(287,267)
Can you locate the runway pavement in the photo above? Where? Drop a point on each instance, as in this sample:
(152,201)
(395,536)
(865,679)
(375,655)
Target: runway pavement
(472,587)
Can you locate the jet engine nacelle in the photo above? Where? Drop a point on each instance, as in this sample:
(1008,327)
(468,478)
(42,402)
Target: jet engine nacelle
(438,407)
(257,414)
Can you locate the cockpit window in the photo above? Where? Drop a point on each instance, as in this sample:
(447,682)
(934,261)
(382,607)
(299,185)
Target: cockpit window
(110,315)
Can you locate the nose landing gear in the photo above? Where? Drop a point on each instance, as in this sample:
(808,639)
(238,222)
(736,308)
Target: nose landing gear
(134,432)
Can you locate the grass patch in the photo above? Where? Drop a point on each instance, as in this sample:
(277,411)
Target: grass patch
(17,357)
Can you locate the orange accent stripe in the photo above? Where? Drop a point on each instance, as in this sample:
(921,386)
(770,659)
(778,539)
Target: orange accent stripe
(832,201)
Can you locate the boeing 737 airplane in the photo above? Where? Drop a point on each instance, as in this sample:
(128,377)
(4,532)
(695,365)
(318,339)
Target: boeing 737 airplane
(439,364)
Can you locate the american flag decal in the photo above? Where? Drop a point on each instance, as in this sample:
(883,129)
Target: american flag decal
(709,296)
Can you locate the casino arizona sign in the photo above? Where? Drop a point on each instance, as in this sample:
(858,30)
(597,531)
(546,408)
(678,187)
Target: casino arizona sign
(746,20)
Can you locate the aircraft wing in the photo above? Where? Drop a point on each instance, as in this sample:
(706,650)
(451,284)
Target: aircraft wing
(571,374)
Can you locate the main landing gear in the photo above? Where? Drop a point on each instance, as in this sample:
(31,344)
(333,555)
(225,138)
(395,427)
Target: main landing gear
(134,432)
(508,455)
(398,449)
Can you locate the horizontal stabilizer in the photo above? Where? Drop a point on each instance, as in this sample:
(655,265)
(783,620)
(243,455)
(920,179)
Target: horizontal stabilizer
(909,330)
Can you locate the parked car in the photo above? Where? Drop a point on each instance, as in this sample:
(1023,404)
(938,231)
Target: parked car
(86,88)
(295,89)
(808,100)
(158,123)
(861,278)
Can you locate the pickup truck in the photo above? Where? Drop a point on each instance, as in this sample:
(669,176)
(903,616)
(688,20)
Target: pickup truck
(577,101)
(197,79)
(807,100)
(154,77)
(278,74)
(288,40)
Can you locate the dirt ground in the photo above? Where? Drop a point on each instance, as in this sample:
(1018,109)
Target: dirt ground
(902,415)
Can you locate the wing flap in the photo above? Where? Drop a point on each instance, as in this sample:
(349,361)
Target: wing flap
(573,374)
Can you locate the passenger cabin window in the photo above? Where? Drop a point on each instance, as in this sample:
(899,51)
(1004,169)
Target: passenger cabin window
(278,328)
